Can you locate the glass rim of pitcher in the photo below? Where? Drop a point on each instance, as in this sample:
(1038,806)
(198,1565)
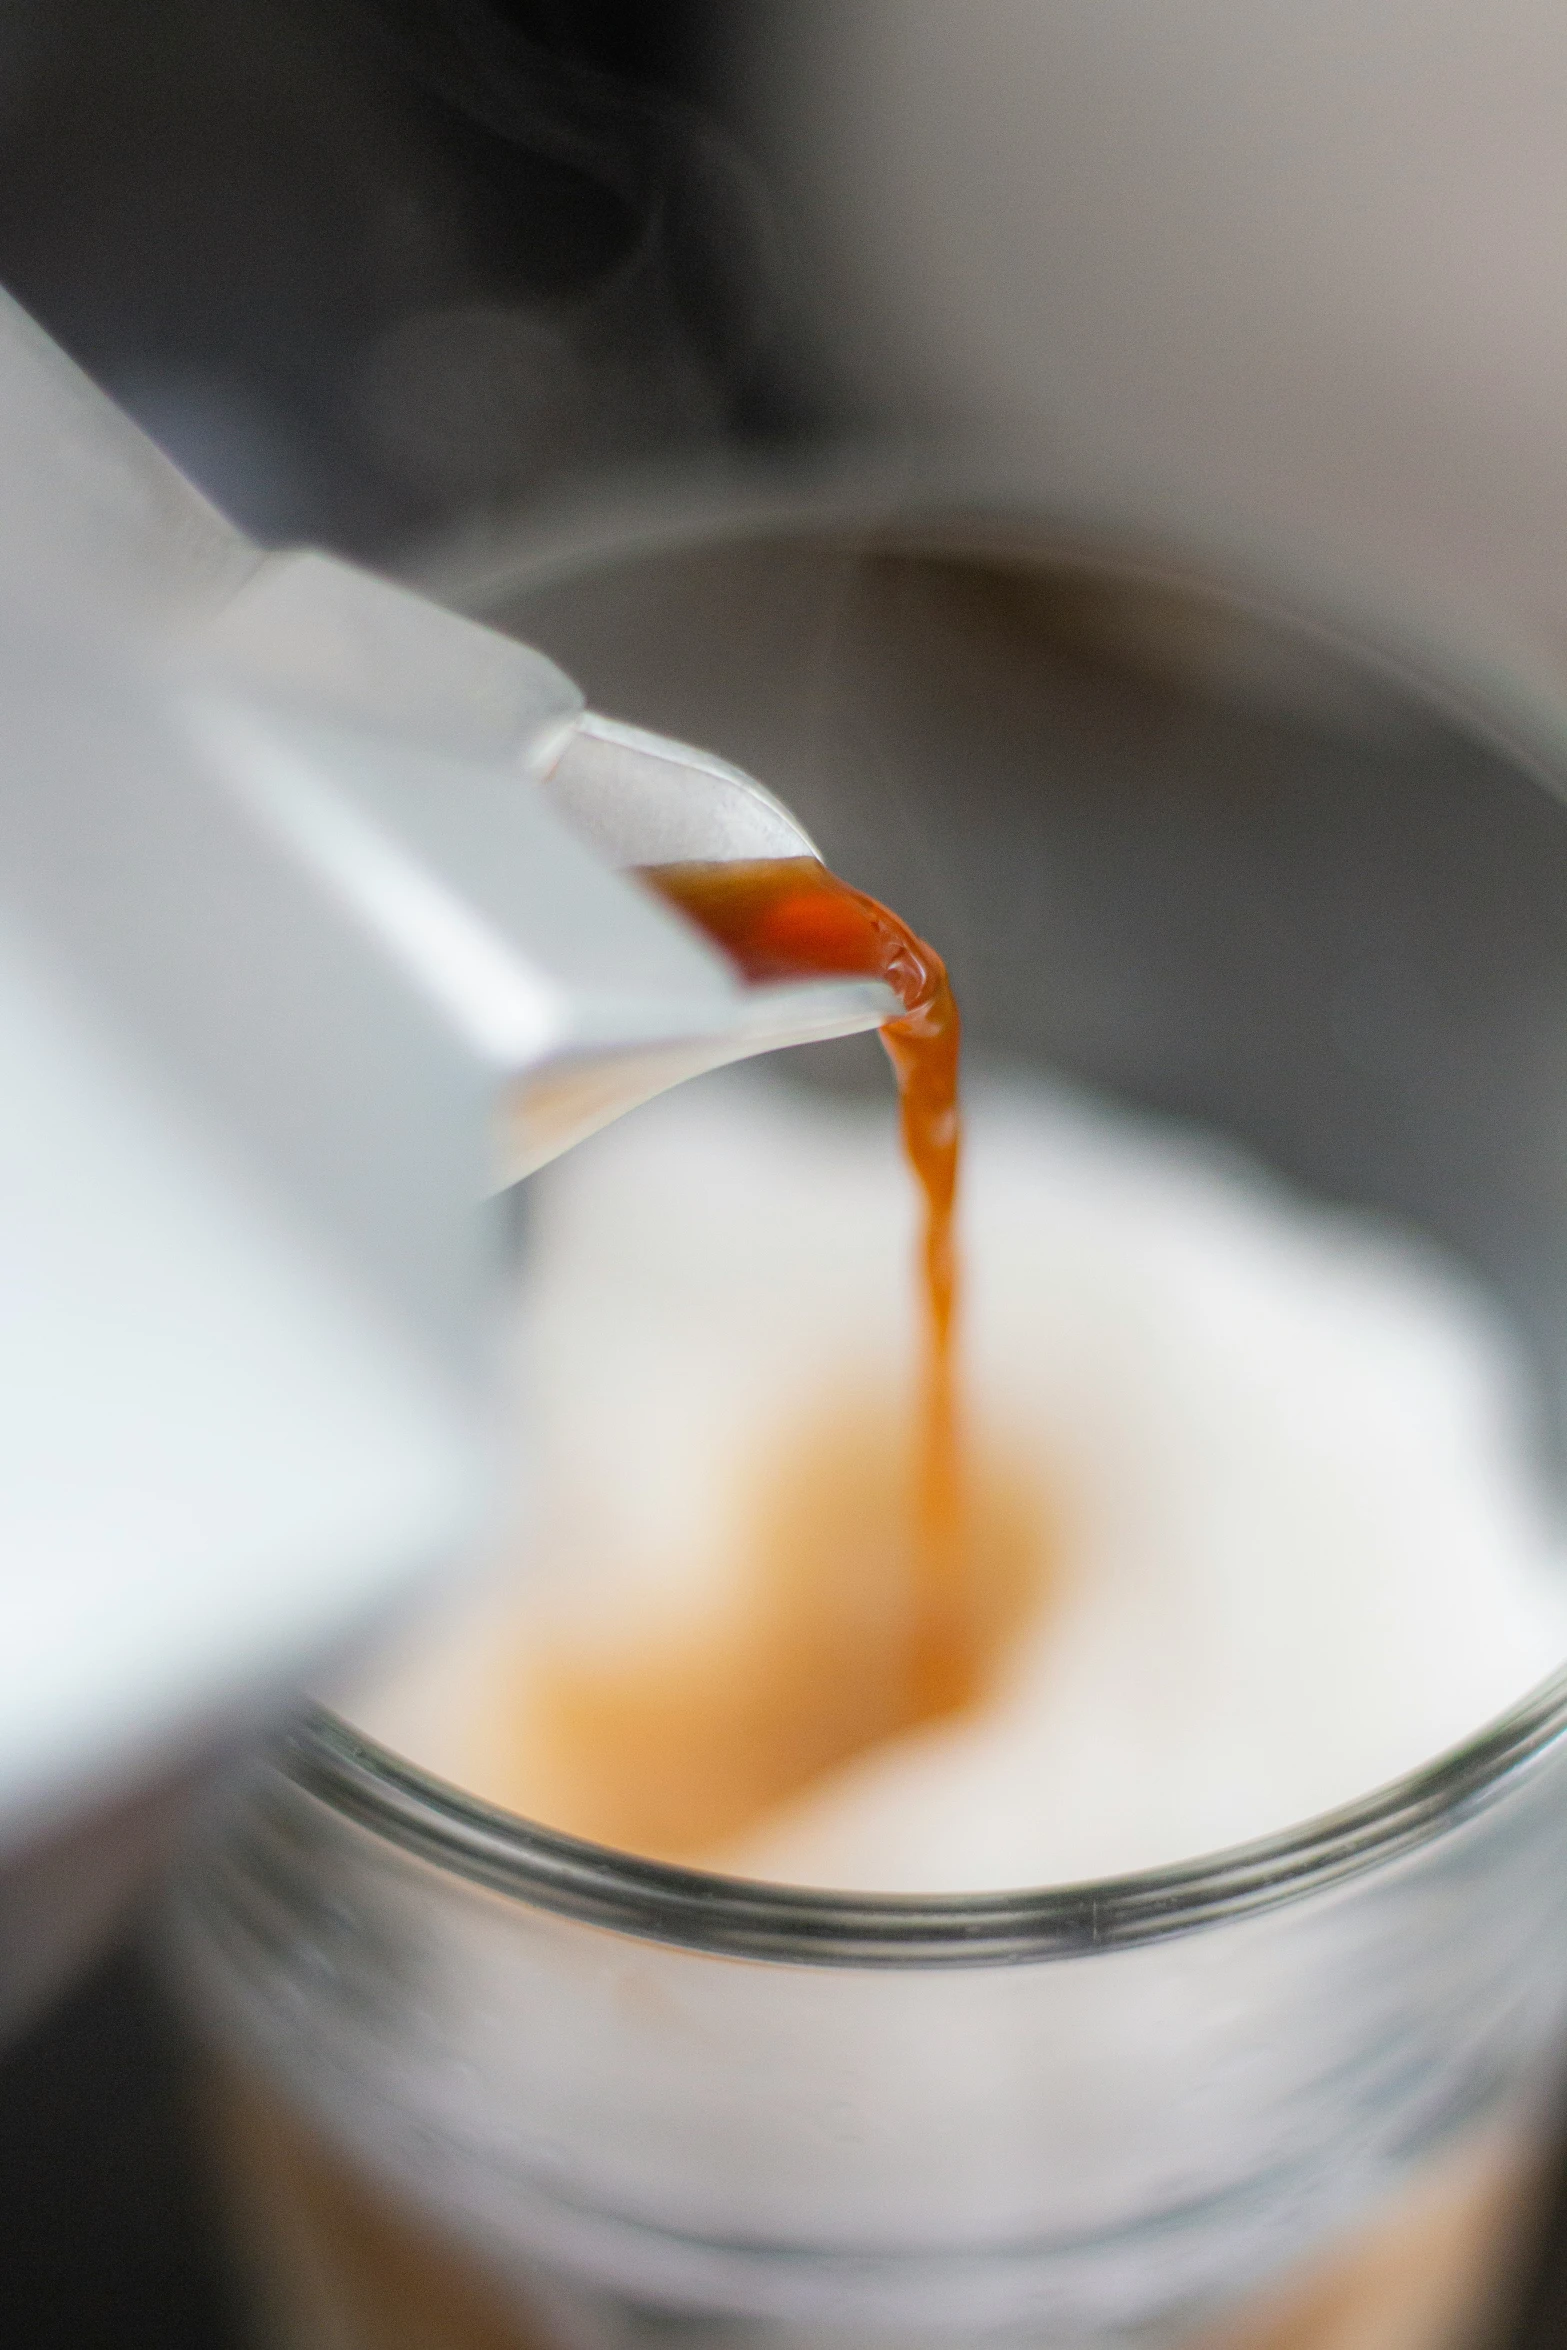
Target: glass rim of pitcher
(701,1910)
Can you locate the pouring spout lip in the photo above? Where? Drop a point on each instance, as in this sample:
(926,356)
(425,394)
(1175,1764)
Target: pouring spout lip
(641,799)
(588,1079)
(809,1011)
(751,1020)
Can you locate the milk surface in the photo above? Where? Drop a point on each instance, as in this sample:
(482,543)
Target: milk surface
(1296,1543)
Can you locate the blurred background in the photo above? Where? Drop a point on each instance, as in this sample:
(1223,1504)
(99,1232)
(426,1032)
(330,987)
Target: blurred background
(378,271)
(372,270)
(406,277)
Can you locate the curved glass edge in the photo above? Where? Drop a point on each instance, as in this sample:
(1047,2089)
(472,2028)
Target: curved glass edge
(732,1917)
(1506,695)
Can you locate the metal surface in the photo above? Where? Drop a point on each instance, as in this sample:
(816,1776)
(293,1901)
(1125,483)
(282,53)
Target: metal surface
(297,963)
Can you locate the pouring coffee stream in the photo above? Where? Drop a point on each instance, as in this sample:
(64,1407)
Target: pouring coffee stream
(711,841)
(788,919)
(874,1576)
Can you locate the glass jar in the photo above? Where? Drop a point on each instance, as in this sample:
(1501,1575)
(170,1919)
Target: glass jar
(481,2084)
(631,2093)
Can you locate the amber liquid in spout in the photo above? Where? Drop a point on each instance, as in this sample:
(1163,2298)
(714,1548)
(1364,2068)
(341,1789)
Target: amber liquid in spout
(791,919)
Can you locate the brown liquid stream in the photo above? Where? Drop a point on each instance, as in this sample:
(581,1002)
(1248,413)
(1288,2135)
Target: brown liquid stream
(790,919)
(886,1565)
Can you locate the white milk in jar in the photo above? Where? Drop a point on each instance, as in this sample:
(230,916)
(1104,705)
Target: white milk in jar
(1260,1469)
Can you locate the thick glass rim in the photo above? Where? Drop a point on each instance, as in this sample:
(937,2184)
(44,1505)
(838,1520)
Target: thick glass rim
(695,1909)
(1494,682)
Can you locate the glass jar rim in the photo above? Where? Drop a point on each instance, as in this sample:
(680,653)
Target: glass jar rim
(695,1909)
